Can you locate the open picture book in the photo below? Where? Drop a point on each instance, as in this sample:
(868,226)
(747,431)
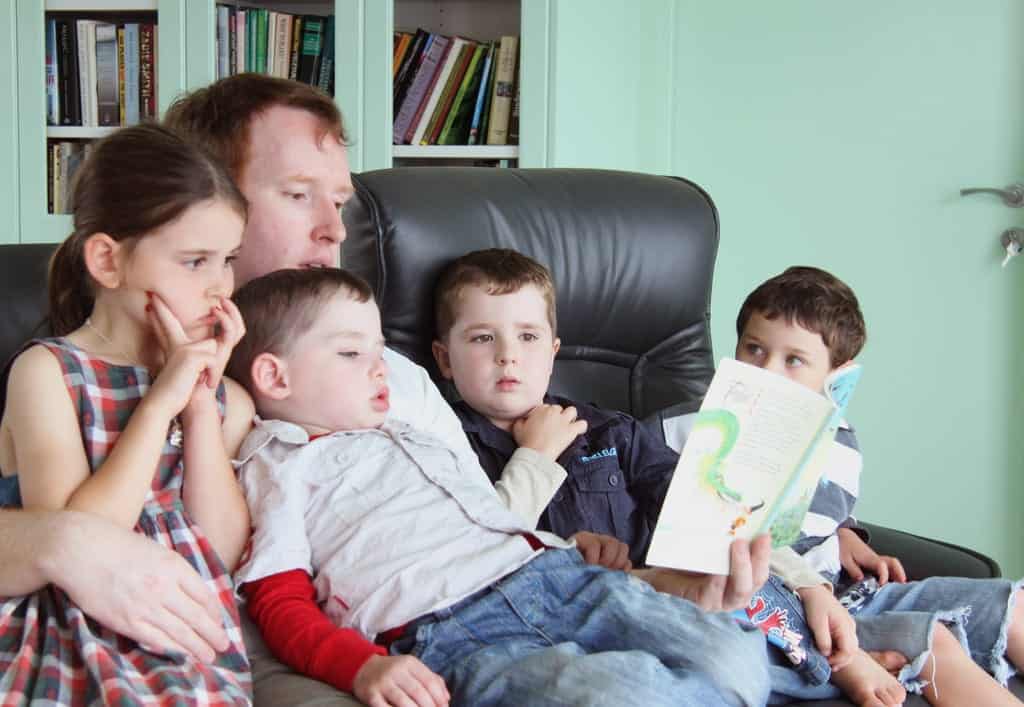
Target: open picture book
(750,465)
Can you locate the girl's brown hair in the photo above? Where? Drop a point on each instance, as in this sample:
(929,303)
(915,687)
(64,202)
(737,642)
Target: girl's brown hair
(132,182)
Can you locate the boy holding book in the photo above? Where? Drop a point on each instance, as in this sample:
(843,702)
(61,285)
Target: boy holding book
(495,313)
(384,563)
(804,324)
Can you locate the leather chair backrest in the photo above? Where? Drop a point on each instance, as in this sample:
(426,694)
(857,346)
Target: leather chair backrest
(632,257)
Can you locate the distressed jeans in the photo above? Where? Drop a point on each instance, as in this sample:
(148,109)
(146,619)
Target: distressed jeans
(561,632)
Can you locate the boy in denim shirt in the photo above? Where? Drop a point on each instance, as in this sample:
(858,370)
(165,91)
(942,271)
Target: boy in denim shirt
(496,341)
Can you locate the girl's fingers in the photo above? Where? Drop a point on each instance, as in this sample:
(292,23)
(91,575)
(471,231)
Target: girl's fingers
(174,332)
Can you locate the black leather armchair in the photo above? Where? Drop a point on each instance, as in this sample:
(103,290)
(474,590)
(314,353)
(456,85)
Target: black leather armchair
(633,257)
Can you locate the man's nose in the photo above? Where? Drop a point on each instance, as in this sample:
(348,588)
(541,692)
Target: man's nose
(329,229)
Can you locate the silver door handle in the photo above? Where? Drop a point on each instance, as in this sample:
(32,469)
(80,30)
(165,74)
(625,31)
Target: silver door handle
(1012,195)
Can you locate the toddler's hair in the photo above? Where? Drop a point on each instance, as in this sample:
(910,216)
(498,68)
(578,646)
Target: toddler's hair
(816,300)
(132,182)
(500,271)
(218,117)
(281,306)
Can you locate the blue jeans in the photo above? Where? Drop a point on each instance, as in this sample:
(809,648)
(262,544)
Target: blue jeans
(561,632)
(10,492)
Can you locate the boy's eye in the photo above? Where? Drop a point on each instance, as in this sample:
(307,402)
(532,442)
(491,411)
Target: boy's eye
(297,196)
(195,263)
(754,349)
(528,336)
(794,361)
(230,261)
(348,354)
(482,339)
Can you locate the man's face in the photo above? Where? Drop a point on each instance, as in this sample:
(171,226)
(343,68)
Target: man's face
(336,373)
(500,352)
(785,348)
(296,181)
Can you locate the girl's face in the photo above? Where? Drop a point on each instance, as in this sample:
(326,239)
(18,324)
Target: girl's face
(187,263)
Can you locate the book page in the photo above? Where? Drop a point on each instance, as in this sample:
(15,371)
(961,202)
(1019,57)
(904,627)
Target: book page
(754,432)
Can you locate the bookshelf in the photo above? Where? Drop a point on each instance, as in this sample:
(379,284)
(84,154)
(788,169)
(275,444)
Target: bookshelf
(36,225)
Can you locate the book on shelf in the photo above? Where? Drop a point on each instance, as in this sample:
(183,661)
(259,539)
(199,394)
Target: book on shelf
(455,130)
(147,70)
(513,119)
(271,66)
(416,97)
(501,102)
(240,41)
(223,41)
(481,97)
(87,71)
(429,108)
(67,72)
(402,40)
(750,465)
(451,87)
(52,79)
(325,81)
(293,56)
(107,91)
(131,73)
(63,160)
(312,43)
(403,79)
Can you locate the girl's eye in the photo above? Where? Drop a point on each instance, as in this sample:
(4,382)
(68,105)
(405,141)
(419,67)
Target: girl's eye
(482,339)
(195,263)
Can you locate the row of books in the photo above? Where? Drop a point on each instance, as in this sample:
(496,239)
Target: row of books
(99,72)
(62,161)
(453,90)
(299,47)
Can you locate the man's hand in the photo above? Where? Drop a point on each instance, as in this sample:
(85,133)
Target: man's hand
(857,558)
(399,681)
(548,429)
(834,630)
(134,586)
(748,570)
(603,550)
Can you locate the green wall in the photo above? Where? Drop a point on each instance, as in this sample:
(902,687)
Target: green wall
(839,135)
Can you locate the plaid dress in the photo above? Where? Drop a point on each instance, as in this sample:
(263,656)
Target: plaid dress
(50,652)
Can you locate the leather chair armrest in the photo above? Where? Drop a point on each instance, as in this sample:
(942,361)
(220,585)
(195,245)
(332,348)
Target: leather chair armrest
(923,557)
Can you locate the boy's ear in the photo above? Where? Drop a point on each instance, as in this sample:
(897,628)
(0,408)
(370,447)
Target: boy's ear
(557,346)
(270,376)
(444,361)
(103,255)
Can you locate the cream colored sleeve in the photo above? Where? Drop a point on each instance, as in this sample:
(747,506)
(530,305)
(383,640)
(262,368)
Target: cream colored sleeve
(794,571)
(528,482)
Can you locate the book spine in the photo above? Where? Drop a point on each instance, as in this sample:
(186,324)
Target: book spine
(120,77)
(241,39)
(232,41)
(403,80)
(271,65)
(131,73)
(53,115)
(262,22)
(450,89)
(84,90)
(481,97)
(426,73)
(147,71)
(312,41)
(451,130)
(284,45)
(64,159)
(106,75)
(403,45)
(501,103)
(223,41)
(67,71)
(50,190)
(293,64)
(327,57)
(513,120)
(427,114)
(58,206)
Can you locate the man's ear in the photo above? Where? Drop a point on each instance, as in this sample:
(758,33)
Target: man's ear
(270,376)
(444,361)
(103,259)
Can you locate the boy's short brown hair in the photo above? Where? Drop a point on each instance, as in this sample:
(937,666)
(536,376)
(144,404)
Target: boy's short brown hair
(281,306)
(218,117)
(816,300)
(501,271)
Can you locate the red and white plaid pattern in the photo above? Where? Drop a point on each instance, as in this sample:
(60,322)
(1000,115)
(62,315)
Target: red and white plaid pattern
(50,652)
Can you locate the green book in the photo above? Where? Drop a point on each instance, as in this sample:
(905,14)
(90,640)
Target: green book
(261,41)
(456,125)
(445,102)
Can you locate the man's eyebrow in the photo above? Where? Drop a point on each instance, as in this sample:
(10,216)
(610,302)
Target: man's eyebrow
(346,189)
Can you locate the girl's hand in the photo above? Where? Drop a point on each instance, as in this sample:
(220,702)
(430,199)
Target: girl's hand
(171,336)
(184,372)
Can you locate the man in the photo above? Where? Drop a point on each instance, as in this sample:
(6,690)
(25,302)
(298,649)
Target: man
(284,143)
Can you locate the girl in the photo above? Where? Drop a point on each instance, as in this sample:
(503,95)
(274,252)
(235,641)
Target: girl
(125,415)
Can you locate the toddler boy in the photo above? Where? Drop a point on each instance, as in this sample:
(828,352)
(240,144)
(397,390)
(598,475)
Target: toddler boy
(384,563)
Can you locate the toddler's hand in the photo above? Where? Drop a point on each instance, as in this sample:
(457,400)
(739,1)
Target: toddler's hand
(399,680)
(548,429)
(835,632)
(857,557)
(603,550)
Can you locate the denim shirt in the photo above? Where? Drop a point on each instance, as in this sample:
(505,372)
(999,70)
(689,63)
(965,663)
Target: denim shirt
(618,473)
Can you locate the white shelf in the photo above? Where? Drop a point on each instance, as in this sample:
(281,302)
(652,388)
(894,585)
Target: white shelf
(77,132)
(101,5)
(457,152)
